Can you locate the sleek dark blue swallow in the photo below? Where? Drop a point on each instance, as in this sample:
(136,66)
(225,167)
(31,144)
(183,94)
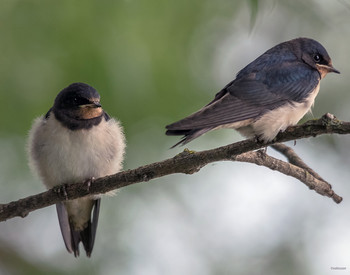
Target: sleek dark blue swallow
(273,92)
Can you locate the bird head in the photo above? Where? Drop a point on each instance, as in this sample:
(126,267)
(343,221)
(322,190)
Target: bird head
(315,55)
(78,101)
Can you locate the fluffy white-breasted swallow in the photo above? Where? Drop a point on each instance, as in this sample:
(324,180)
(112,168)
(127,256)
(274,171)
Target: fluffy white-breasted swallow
(75,141)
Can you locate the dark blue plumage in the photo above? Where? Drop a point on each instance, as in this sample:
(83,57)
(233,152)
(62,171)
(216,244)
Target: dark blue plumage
(283,83)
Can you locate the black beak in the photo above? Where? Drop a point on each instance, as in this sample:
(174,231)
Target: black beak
(96,105)
(330,68)
(327,68)
(92,104)
(333,70)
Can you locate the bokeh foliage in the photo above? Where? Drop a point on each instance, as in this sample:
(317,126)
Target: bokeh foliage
(154,62)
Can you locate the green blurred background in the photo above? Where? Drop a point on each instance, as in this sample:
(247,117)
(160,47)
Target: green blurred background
(154,62)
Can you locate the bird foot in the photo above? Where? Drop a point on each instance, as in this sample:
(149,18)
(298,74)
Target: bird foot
(61,190)
(88,183)
(259,140)
(263,150)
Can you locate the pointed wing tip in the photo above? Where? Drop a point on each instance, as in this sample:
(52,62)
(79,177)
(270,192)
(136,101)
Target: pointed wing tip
(88,235)
(76,253)
(65,226)
(180,143)
(71,237)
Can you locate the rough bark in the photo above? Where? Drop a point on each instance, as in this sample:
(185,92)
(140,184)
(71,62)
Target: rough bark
(190,162)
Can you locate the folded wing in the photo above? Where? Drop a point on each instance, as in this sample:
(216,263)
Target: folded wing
(247,98)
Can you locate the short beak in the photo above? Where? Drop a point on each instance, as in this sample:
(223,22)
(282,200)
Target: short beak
(328,68)
(97,104)
(331,69)
(93,104)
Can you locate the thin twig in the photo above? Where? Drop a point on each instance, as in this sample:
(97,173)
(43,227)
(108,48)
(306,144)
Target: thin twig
(314,183)
(293,158)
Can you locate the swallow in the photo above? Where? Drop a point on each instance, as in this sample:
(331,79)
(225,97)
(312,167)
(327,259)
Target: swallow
(271,93)
(74,142)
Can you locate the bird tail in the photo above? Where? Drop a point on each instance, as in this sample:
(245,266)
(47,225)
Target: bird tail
(73,237)
(188,135)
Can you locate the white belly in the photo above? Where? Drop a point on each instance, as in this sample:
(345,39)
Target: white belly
(271,123)
(62,156)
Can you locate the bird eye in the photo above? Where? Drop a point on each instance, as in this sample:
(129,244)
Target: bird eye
(317,58)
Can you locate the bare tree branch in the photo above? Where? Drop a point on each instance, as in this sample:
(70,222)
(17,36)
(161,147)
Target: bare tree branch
(293,158)
(303,174)
(189,162)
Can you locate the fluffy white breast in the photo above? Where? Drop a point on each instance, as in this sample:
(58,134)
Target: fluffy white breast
(60,155)
(271,123)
